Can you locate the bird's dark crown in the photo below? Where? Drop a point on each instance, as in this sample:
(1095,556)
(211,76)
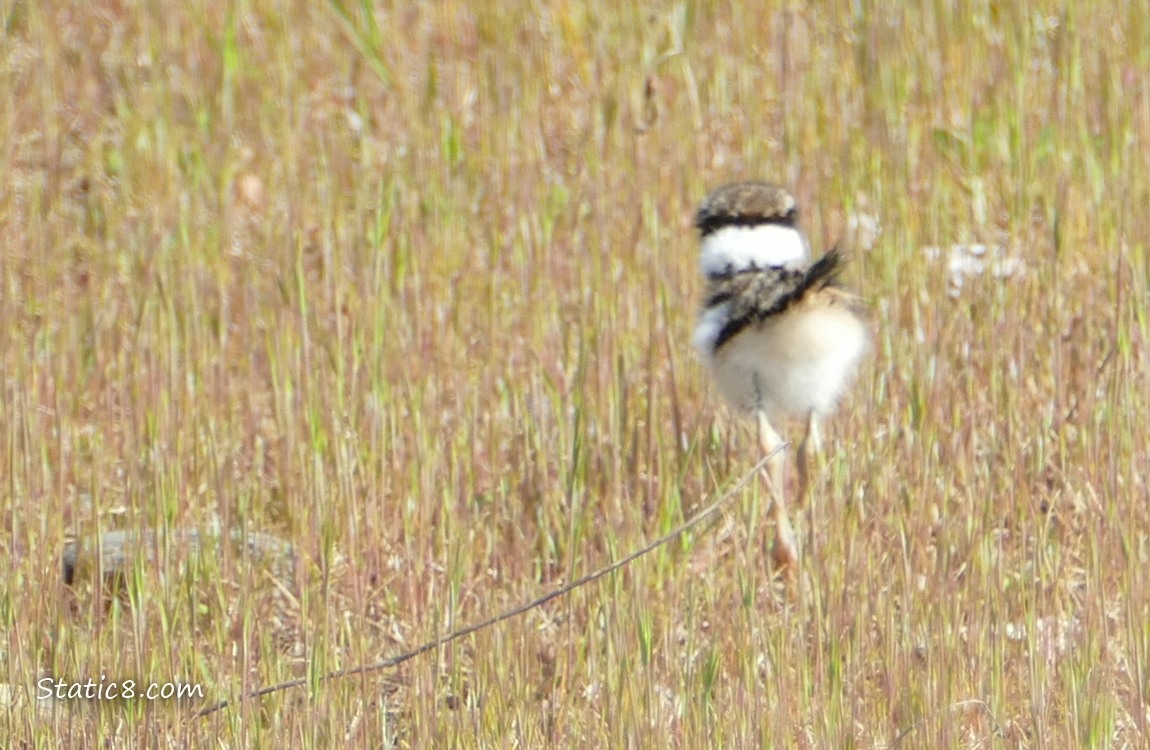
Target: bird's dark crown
(746,204)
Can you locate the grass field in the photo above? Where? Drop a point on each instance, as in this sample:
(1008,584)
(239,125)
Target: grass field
(411,289)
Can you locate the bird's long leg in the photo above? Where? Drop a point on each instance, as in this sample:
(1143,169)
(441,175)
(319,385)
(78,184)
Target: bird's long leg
(809,448)
(786,551)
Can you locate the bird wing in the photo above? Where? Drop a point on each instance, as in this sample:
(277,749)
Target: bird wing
(755,295)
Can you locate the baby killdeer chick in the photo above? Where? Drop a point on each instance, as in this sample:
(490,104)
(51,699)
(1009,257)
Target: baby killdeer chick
(779,334)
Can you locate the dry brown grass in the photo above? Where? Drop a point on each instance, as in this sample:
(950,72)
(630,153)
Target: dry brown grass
(414,290)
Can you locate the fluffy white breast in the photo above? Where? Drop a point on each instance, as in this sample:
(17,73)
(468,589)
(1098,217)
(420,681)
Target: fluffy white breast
(735,248)
(791,364)
(707,330)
